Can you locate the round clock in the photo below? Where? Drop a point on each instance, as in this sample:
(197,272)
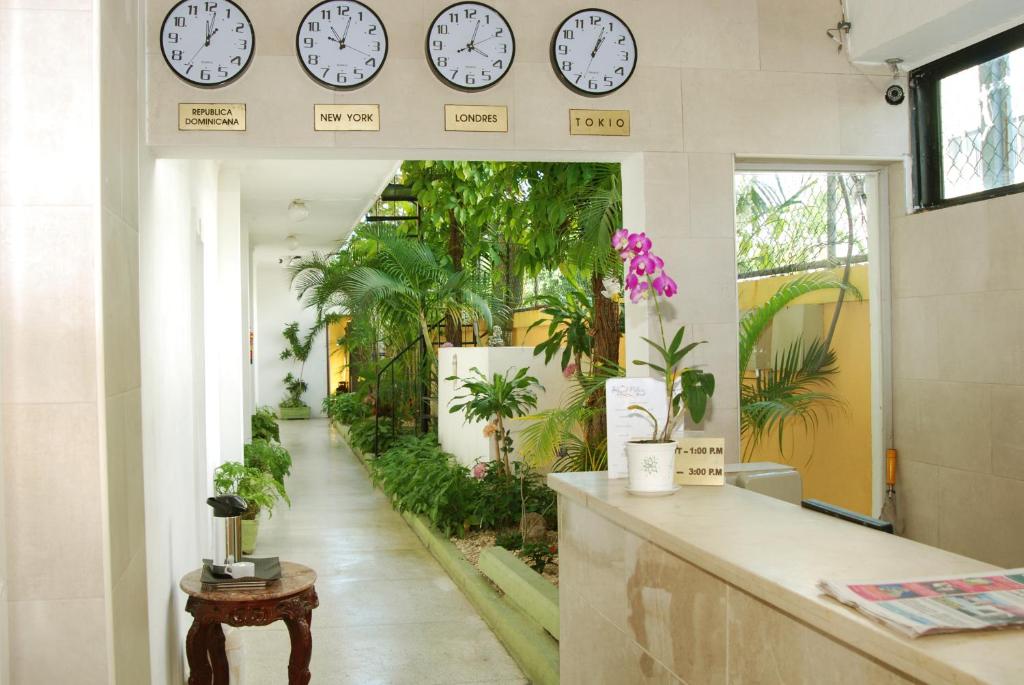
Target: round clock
(342,44)
(207,42)
(470,46)
(593,52)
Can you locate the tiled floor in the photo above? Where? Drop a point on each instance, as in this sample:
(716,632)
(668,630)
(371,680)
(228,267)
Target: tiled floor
(388,612)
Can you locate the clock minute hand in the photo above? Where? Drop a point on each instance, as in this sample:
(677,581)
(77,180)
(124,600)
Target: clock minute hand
(476,49)
(344,36)
(597,46)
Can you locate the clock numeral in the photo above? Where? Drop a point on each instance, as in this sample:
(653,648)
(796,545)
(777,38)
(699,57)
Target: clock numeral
(237,60)
(503,49)
(470,80)
(498,64)
(359,73)
(455,72)
(595,21)
(176,55)
(486,75)
(498,32)
(470,13)
(453,17)
(625,55)
(222,71)
(442,61)
(193,10)
(325,14)
(592,84)
(307,42)
(313,26)
(327,70)
(563,49)
(566,65)
(204,74)
(243,44)
(179,22)
(313,60)
(442,29)
(372,62)
(376,46)
(239,27)
(609,81)
(211,7)
(580,24)
(372,31)
(340,78)
(172,38)
(621,40)
(620,71)
(568,34)
(343,10)
(436,45)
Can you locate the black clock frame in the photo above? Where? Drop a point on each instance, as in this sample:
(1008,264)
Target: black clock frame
(572,86)
(316,79)
(437,73)
(199,84)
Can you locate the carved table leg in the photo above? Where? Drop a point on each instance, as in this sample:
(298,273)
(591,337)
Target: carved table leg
(196,650)
(302,649)
(218,655)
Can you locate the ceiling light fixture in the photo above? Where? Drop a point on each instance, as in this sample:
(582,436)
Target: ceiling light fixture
(298,211)
(293,242)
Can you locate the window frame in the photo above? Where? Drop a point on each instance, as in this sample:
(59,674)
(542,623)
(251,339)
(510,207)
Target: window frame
(926,119)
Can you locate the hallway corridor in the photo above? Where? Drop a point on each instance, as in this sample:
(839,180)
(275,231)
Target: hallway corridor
(388,612)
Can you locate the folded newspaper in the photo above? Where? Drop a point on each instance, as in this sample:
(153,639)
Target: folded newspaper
(941,604)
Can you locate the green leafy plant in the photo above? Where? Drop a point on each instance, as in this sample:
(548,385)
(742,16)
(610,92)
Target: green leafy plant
(540,554)
(264,425)
(494,400)
(346,407)
(269,456)
(503,499)
(258,488)
(569,316)
(298,349)
(512,540)
(421,479)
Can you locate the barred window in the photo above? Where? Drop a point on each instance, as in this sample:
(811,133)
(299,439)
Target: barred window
(969,123)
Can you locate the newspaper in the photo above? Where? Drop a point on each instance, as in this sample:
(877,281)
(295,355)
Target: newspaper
(941,604)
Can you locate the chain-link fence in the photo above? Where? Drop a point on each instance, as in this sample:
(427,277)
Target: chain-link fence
(983,126)
(788,222)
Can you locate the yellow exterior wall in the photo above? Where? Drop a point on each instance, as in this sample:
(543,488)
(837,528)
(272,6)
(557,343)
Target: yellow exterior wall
(337,355)
(835,460)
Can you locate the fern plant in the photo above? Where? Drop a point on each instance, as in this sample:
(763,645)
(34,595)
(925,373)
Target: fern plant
(258,488)
(269,456)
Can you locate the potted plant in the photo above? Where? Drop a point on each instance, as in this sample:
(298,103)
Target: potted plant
(269,456)
(292,406)
(258,488)
(687,389)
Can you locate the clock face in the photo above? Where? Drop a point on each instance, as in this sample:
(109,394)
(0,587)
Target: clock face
(593,52)
(207,42)
(470,46)
(342,44)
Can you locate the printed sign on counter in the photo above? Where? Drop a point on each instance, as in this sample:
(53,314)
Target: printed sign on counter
(624,423)
(700,461)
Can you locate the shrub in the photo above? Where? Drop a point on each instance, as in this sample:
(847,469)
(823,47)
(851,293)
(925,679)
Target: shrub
(421,479)
(361,434)
(504,498)
(269,456)
(540,554)
(511,540)
(258,488)
(346,408)
(264,425)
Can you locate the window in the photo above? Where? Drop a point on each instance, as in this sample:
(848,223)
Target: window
(968,116)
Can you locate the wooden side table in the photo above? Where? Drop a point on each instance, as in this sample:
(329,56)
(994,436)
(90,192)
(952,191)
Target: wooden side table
(291,599)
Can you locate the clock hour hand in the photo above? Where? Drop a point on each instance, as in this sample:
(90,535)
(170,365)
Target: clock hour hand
(475,30)
(344,37)
(597,46)
(478,50)
(337,39)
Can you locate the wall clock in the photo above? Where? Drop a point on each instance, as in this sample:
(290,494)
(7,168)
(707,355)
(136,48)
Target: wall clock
(207,43)
(342,44)
(593,52)
(470,46)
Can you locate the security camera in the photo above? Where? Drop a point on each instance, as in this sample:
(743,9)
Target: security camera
(895,94)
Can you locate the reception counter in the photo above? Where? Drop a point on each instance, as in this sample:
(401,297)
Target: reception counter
(718,585)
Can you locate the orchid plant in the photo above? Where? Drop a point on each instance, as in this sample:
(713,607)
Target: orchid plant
(687,389)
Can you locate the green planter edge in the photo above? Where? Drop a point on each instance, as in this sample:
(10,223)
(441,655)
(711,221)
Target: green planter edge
(250,529)
(293,413)
(534,650)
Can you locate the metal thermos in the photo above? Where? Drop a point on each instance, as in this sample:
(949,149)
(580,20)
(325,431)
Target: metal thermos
(227,529)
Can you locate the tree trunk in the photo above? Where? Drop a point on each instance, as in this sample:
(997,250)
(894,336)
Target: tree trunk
(606,349)
(453,324)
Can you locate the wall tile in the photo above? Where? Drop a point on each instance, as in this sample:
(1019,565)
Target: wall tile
(767,647)
(795,114)
(974,511)
(58,641)
(916,336)
(712,196)
(947,424)
(1007,405)
(917,498)
(865,129)
(46,156)
(52,503)
(48,352)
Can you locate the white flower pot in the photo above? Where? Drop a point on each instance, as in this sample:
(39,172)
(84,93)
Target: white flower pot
(652,466)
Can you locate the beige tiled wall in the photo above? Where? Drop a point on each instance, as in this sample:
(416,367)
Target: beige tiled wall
(635,613)
(958,368)
(50,403)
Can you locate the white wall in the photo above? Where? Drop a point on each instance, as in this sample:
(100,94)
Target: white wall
(919,31)
(228,306)
(181,199)
(465,439)
(276,307)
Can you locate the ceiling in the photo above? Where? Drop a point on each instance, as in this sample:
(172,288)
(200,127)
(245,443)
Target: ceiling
(337,194)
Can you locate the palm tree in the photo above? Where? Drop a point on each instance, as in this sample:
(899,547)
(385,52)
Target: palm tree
(399,280)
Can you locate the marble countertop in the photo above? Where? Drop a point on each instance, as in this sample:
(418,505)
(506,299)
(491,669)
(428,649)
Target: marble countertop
(778,552)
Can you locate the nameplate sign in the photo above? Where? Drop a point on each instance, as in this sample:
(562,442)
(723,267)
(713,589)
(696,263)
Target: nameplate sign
(700,461)
(346,117)
(476,118)
(599,122)
(213,116)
